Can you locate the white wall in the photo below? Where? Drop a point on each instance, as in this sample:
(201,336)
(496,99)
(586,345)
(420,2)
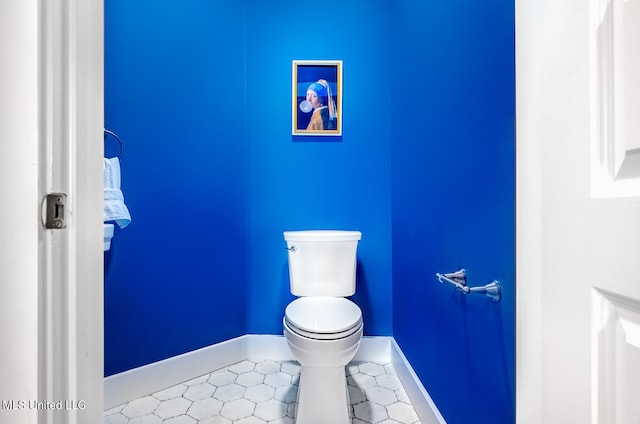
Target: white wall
(18,211)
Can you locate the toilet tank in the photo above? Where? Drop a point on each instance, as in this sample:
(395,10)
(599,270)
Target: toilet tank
(322,262)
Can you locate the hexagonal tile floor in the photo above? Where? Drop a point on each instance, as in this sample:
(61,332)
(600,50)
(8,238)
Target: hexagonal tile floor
(264,392)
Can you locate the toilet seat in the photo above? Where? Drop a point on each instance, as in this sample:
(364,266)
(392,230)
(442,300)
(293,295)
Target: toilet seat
(321,336)
(323,318)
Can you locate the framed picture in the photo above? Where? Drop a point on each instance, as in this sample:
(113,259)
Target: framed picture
(317,97)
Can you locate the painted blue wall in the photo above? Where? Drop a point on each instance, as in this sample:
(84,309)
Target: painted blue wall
(453,201)
(213,178)
(176,277)
(318,182)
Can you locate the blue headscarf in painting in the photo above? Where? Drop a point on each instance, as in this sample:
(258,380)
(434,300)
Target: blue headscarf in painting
(319,89)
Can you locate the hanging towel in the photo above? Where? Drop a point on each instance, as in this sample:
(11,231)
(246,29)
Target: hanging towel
(114,207)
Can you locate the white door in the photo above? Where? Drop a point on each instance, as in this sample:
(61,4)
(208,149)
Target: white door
(578,211)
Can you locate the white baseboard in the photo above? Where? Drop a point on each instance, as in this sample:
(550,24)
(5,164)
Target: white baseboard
(142,381)
(418,395)
(138,382)
(265,347)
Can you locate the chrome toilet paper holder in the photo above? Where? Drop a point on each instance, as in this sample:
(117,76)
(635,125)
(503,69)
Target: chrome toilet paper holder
(492,290)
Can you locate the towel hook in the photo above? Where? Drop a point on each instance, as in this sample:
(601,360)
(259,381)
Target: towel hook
(108,133)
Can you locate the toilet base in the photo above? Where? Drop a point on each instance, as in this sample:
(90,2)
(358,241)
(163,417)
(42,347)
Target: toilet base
(323,396)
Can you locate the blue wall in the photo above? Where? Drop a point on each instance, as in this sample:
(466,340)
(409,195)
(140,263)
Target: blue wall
(213,177)
(453,201)
(175,279)
(318,182)
(200,93)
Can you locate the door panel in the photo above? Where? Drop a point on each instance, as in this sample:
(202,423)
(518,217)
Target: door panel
(616,358)
(614,36)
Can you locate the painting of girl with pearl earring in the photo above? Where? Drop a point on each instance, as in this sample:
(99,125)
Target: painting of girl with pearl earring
(317,97)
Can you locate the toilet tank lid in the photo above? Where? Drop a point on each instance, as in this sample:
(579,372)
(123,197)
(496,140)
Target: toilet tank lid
(322,235)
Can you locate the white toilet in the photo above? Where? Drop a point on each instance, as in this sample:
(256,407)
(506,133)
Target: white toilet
(323,329)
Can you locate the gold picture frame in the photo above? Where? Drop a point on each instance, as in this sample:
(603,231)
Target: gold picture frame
(317,97)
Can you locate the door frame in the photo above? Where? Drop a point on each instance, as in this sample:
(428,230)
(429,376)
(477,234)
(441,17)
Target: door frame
(72,93)
(52,279)
(528,22)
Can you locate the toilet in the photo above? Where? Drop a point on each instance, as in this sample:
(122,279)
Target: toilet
(323,329)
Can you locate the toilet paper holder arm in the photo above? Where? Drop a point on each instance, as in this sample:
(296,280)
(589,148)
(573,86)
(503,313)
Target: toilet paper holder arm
(492,290)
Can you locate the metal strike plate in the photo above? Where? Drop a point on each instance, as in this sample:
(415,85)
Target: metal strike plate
(55,205)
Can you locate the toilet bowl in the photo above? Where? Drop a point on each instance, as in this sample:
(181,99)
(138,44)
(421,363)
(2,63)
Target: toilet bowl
(323,329)
(323,334)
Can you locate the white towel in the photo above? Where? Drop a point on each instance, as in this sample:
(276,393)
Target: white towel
(114,207)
